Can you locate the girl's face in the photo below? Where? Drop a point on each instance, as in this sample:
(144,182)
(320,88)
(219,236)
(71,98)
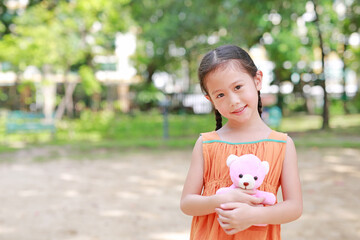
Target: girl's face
(234,93)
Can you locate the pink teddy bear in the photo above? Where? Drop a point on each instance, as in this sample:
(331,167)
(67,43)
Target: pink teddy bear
(248,172)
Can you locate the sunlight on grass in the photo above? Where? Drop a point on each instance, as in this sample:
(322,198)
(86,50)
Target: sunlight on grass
(109,130)
(303,123)
(300,123)
(345,121)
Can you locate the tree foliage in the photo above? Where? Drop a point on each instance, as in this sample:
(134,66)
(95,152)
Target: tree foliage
(66,35)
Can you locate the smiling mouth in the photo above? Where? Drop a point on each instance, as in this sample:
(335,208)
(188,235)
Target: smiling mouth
(239,110)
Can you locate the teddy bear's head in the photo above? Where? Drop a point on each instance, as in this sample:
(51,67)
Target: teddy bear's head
(247,171)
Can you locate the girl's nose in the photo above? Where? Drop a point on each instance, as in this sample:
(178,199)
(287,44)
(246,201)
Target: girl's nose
(234,99)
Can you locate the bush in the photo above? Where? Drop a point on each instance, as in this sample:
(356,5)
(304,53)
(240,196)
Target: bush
(147,96)
(139,125)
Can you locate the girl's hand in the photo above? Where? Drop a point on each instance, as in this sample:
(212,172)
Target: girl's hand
(234,217)
(243,196)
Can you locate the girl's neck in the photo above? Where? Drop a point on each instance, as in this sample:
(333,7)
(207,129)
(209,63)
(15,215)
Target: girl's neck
(254,124)
(251,131)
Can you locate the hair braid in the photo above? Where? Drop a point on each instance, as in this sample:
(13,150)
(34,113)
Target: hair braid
(259,104)
(218,118)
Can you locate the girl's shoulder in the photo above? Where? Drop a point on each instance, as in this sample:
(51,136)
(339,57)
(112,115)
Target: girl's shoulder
(208,136)
(279,136)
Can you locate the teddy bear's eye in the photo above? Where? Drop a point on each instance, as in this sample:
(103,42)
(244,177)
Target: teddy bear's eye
(256,178)
(240,176)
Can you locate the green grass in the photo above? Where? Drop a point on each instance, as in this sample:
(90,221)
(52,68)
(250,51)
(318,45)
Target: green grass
(303,123)
(344,131)
(145,130)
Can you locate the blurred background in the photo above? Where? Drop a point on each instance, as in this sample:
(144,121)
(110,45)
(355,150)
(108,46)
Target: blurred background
(96,69)
(107,79)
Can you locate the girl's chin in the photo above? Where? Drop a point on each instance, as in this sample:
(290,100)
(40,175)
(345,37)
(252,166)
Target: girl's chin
(239,118)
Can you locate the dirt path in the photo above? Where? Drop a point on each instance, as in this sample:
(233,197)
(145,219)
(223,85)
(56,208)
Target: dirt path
(47,195)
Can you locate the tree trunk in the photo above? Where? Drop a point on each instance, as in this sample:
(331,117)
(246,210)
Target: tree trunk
(48,89)
(325,114)
(344,95)
(14,96)
(69,103)
(96,101)
(69,90)
(150,70)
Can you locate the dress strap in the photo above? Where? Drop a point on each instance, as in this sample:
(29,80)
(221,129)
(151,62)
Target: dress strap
(278,136)
(208,136)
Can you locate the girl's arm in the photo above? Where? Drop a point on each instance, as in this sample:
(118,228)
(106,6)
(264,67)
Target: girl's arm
(193,203)
(235,217)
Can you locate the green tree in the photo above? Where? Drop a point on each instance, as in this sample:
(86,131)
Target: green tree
(348,22)
(170,32)
(47,42)
(254,22)
(59,37)
(9,10)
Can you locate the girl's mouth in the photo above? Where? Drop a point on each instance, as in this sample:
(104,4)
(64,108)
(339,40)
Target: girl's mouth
(239,110)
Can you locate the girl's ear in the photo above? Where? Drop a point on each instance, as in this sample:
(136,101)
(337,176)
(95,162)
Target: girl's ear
(258,80)
(208,98)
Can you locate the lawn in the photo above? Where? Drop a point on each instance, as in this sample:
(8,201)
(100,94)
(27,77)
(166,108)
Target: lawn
(306,131)
(110,130)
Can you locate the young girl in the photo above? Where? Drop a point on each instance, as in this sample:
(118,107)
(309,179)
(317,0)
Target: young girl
(231,81)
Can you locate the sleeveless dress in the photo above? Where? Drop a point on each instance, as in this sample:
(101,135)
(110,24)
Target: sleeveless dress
(216,175)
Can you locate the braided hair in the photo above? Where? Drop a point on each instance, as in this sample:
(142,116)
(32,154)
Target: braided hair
(218,58)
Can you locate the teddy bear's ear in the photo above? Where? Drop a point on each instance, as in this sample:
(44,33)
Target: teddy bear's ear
(231,159)
(266,166)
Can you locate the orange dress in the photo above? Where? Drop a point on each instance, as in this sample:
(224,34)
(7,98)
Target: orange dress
(216,175)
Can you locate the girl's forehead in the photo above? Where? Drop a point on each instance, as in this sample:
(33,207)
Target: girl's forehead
(233,66)
(230,64)
(227,74)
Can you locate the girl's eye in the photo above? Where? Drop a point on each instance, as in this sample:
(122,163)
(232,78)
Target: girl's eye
(255,178)
(238,87)
(240,176)
(220,95)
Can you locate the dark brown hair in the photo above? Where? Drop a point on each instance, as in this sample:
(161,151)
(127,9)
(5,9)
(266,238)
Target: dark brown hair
(218,58)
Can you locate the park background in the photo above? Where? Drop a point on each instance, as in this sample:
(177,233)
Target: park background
(116,82)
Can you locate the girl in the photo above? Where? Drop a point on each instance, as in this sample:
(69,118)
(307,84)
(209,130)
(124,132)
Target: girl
(231,81)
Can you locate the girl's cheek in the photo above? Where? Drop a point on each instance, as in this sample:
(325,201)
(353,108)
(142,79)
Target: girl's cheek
(220,104)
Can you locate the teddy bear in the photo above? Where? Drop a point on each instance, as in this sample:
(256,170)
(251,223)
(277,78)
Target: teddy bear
(248,172)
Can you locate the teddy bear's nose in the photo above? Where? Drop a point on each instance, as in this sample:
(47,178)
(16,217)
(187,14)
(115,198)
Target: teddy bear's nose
(246,184)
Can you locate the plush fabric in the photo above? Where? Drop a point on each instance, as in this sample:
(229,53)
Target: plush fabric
(248,172)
